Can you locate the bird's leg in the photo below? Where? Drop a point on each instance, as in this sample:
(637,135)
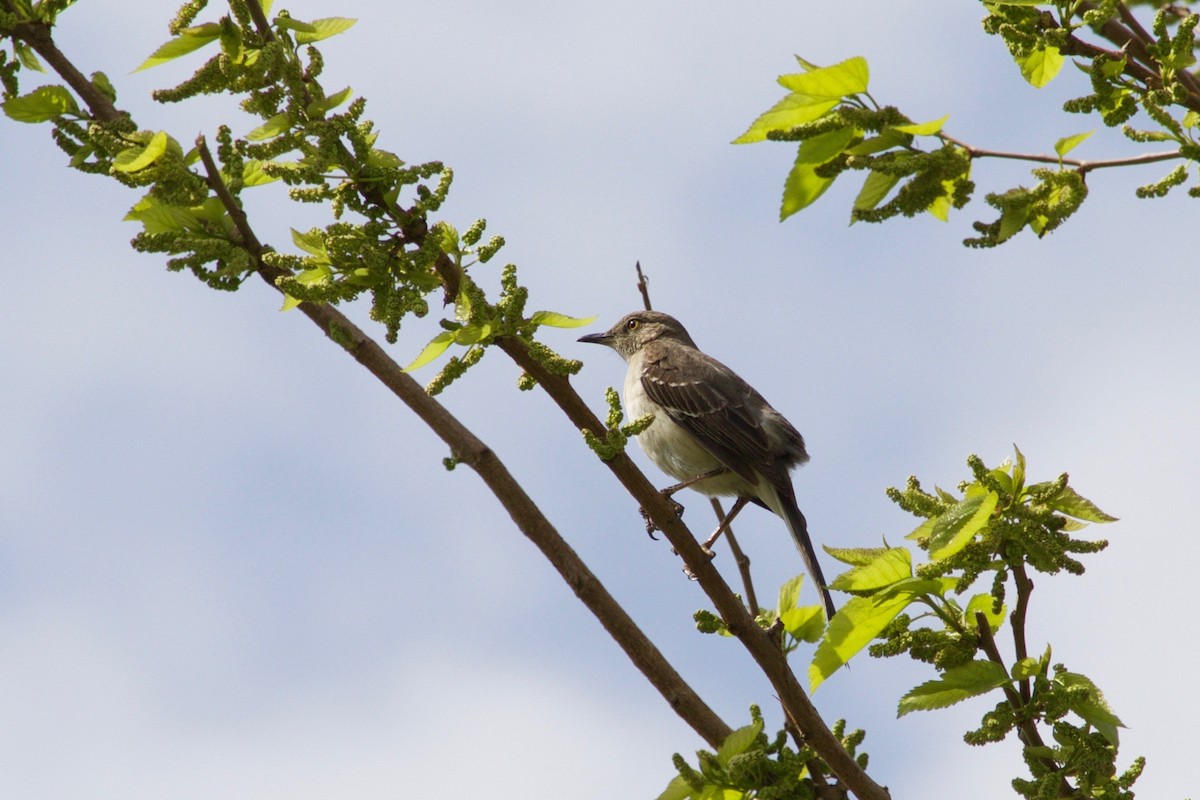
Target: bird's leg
(712,473)
(738,505)
(675,505)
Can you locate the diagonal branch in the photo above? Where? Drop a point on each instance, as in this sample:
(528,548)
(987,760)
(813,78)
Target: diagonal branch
(470,450)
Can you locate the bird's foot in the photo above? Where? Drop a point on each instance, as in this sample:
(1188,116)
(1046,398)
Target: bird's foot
(651,527)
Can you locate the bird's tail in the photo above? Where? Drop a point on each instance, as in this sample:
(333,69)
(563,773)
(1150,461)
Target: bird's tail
(798,527)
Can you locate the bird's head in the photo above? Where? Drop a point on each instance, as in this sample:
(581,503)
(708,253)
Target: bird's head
(636,330)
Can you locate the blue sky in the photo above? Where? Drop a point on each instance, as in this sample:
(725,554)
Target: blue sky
(232,565)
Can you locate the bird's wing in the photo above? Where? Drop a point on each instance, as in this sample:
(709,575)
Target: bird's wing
(713,404)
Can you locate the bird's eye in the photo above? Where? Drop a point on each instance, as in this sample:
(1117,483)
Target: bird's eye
(632,325)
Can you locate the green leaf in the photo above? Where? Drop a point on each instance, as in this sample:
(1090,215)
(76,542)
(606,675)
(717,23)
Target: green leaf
(982,603)
(888,568)
(556,320)
(1026,668)
(738,742)
(271,128)
(159,217)
(826,146)
(317,108)
(294,24)
(101,82)
(1041,65)
(1094,710)
(844,79)
(27,56)
(254,175)
(1069,143)
(432,350)
(324,28)
(1012,220)
(802,188)
(1191,119)
(289,303)
(957,684)
(677,789)
(923,128)
(861,619)
(1069,502)
(876,187)
(137,158)
(317,276)
(311,242)
(41,105)
(190,39)
(1018,472)
(789,594)
(886,140)
(958,525)
(793,110)
(803,185)
(805,623)
(855,556)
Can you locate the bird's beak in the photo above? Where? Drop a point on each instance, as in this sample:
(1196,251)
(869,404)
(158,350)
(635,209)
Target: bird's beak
(597,338)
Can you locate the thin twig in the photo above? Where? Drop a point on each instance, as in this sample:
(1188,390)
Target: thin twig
(1081,165)
(1026,726)
(739,558)
(643,286)
(1017,621)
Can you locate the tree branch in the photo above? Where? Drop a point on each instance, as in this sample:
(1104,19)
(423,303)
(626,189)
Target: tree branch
(462,442)
(37,35)
(470,450)
(1026,727)
(762,648)
(1081,165)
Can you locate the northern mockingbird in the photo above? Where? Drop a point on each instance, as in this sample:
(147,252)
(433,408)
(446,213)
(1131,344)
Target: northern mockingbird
(712,431)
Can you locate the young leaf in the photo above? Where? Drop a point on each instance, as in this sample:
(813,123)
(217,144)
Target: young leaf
(294,24)
(874,189)
(556,320)
(802,188)
(26,56)
(860,620)
(983,603)
(1041,65)
(254,175)
(923,128)
(959,524)
(1069,143)
(1094,709)
(677,789)
(289,303)
(889,567)
(957,684)
(136,158)
(41,105)
(159,217)
(855,556)
(738,742)
(795,109)
(1069,502)
(189,40)
(805,623)
(271,128)
(432,350)
(317,108)
(844,79)
(316,276)
(324,28)
(311,242)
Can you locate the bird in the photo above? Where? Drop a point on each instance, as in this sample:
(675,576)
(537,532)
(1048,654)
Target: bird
(712,431)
